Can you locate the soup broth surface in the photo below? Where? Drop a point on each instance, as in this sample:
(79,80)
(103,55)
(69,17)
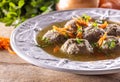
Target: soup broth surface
(80,57)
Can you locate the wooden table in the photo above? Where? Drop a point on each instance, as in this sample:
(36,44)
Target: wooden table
(15,69)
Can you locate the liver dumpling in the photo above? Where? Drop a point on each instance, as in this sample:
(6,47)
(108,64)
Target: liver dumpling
(72,24)
(92,34)
(111,43)
(71,46)
(113,29)
(54,37)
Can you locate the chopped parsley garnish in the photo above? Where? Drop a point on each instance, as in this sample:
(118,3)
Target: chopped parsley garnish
(95,24)
(94,45)
(46,40)
(111,44)
(86,17)
(79,30)
(79,41)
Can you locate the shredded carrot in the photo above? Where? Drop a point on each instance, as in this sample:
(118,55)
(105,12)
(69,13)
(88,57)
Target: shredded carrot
(71,35)
(100,41)
(104,25)
(5,44)
(64,31)
(60,30)
(78,26)
(56,49)
(68,27)
(10,51)
(81,22)
(79,35)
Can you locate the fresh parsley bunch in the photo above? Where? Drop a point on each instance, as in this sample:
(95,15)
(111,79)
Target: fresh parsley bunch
(13,12)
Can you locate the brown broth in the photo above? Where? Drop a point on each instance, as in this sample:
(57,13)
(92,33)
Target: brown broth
(81,57)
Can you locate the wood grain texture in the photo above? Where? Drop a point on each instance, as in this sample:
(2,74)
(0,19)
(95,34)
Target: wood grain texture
(15,69)
(30,73)
(5,31)
(9,58)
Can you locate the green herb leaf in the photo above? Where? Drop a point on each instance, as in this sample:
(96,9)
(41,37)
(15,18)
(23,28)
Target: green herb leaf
(95,24)
(44,8)
(94,45)
(21,3)
(46,40)
(79,30)
(86,17)
(112,45)
(11,4)
(23,9)
(79,41)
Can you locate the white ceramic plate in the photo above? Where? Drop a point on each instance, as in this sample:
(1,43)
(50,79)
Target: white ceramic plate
(24,44)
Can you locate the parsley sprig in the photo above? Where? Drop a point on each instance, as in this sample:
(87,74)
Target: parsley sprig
(13,12)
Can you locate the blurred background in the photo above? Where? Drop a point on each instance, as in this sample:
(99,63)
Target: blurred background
(13,12)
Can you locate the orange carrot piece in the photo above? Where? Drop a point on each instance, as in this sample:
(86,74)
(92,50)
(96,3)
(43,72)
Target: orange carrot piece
(5,44)
(81,21)
(10,51)
(71,35)
(64,31)
(60,30)
(100,41)
(56,49)
(104,25)
(79,35)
